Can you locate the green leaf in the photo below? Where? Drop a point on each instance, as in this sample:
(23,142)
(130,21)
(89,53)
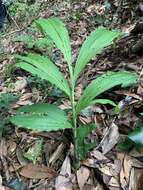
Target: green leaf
(93,45)
(137,136)
(45,69)
(56,30)
(82,145)
(104,83)
(103,101)
(41,117)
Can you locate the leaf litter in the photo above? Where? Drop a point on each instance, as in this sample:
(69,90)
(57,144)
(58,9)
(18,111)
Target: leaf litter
(106,167)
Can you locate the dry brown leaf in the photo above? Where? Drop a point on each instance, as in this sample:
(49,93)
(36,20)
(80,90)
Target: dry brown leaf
(11,146)
(65,105)
(3,187)
(3,147)
(136,179)
(99,187)
(63,181)
(21,84)
(82,176)
(56,155)
(110,139)
(114,182)
(128,163)
(98,155)
(106,169)
(37,172)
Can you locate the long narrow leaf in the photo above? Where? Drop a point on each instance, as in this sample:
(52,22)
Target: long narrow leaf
(45,69)
(103,83)
(56,30)
(94,44)
(103,101)
(41,117)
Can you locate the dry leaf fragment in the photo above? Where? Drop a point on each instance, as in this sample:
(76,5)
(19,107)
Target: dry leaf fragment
(114,182)
(3,187)
(56,155)
(98,155)
(37,172)
(136,179)
(82,176)
(129,164)
(63,181)
(3,147)
(20,84)
(110,139)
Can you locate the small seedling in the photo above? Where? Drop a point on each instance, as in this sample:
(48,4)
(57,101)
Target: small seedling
(47,117)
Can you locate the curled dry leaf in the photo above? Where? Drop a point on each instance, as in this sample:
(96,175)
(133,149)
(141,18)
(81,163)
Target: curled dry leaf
(37,172)
(82,176)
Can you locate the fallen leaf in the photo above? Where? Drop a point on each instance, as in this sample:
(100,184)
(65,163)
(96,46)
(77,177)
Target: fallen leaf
(56,155)
(3,187)
(82,176)
(3,147)
(110,139)
(98,155)
(128,163)
(37,172)
(136,179)
(63,181)
(20,84)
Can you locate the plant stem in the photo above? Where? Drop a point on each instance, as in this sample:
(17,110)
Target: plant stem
(74,116)
(74,119)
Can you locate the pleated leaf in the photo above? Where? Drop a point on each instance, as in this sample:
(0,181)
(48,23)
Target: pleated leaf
(44,69)
(41,117)
(93,45)
(56,30)
(103,83)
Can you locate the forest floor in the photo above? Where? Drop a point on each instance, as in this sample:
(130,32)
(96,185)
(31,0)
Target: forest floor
(43,161)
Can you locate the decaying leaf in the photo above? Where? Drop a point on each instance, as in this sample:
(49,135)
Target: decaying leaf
(37,172)
(3,148)
(58,152)
(21,84)
(136,179)
(63,181)
(82,176)
(3,187)
(110,139)
(131,167)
